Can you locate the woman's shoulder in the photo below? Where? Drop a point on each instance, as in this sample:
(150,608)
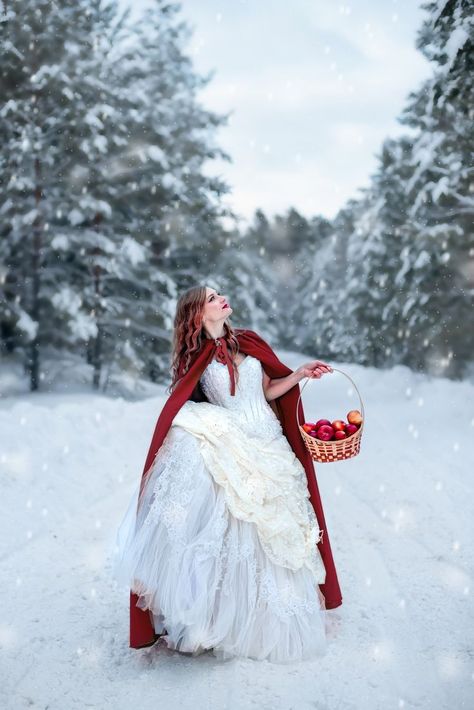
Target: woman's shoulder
(251,334)
(245,331)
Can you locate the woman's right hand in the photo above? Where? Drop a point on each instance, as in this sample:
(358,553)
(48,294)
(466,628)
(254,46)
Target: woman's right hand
(313,369)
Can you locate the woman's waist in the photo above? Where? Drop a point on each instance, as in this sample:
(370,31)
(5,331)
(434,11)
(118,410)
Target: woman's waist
(257,418)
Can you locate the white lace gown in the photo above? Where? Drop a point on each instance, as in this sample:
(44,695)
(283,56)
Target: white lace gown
(224,547)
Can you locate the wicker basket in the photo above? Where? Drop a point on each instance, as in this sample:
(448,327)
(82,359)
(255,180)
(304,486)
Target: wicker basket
(338,450)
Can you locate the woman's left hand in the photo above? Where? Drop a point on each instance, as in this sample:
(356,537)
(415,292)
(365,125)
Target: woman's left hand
(315,368)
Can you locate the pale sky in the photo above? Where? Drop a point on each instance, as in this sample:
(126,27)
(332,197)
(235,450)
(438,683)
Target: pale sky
(314,87)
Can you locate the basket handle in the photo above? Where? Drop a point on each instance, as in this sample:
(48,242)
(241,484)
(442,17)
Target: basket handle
(349,378)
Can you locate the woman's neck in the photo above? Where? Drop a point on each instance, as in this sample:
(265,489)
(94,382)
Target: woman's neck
(217,333)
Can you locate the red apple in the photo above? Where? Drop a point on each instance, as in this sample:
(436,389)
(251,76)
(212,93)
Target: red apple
(322,422)
(351,429)
(325,432)
(340,435)
(354,417)
(338,425)
(308,427)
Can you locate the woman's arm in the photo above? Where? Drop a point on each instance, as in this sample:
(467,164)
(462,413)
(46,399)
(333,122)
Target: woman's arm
(275,388)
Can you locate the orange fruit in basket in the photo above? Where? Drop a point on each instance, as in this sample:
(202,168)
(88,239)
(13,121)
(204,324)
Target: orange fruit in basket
(354,417)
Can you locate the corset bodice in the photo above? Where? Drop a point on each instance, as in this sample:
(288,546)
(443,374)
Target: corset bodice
(248,404)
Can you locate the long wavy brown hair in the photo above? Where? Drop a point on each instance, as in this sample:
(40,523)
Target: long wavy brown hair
(189,334)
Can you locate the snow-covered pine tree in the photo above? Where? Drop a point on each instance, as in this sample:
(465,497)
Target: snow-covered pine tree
(177,207)
(246,273)
(407,295)
(437,274)
(267,256)
(125,207)
(267,265)
(259,234)
(319,316)
(373,301)
(56,122)
(310,282)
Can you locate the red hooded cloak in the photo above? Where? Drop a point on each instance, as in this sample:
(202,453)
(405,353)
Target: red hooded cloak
(142,632)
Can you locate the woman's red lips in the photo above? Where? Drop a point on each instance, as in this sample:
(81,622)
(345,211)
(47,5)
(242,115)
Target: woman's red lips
(225,305)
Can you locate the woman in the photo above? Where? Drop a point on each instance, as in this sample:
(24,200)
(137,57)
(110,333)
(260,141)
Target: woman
(224,544)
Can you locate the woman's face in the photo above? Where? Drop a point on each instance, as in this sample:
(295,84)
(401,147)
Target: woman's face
(216,308)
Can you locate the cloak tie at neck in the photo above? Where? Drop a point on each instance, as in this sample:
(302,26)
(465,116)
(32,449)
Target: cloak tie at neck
(222,355)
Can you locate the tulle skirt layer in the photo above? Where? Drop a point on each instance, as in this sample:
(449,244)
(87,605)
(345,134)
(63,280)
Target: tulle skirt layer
(203,572)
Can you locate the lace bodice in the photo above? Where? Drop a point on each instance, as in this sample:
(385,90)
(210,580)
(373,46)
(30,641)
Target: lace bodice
(248,404)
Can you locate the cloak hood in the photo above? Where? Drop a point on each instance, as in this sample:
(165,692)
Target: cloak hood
(142,631)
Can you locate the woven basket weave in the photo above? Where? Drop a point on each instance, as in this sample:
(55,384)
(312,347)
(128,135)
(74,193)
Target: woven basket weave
(337,450)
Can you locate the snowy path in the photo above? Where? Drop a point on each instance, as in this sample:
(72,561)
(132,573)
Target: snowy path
(400,520)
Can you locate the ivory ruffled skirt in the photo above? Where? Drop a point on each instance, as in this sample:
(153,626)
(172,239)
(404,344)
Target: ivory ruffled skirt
(233,565)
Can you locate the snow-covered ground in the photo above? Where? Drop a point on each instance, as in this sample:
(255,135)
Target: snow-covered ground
(400,518)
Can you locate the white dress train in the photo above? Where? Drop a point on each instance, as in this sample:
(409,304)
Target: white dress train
(224,547)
